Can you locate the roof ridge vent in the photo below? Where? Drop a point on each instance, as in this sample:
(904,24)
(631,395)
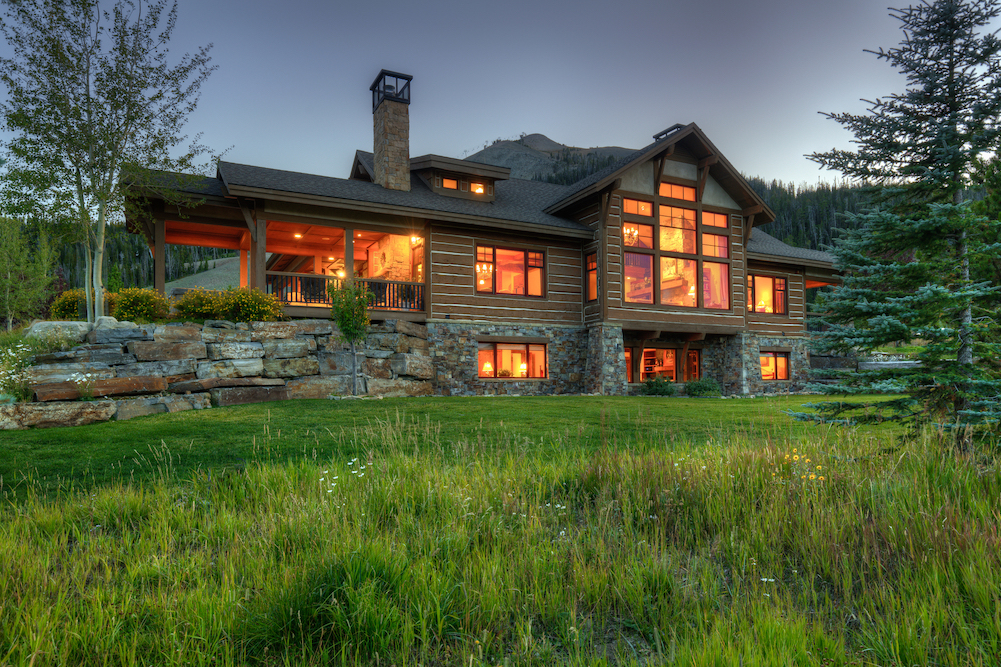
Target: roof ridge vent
(671,130)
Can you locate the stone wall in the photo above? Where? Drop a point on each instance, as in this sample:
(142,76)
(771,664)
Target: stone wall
(606,361)
(151,369)
(454,349)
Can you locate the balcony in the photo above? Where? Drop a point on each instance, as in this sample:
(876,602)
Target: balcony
(309,289)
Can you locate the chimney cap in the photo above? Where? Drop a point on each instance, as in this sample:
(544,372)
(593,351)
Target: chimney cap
(390,85)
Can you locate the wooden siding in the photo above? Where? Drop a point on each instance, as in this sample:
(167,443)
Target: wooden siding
(453,280)
(794,323)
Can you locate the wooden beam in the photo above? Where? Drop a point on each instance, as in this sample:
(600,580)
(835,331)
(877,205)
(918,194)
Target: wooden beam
(250,218)
(202,240)
(695,336)
(243,267)
(684,362)
(749,229)
(258,257)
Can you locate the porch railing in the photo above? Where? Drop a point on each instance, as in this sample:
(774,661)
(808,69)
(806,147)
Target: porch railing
(308,289)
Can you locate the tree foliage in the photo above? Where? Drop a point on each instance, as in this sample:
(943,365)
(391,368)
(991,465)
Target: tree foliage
(907,264)
(25,273)
(349,302)
(94,108)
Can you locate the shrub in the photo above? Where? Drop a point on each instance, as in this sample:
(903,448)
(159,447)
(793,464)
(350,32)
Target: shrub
(250,305)
(16,355)
(658,387)
(68,305)
(141,305)
(703,387)
(200,304)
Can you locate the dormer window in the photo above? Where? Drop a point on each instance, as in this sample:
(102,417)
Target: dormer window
(459,178)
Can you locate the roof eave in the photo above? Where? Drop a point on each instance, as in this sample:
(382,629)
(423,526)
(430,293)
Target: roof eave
(375,207)
(782,259)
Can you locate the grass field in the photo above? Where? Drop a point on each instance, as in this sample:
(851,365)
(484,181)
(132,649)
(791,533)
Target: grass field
(531,531)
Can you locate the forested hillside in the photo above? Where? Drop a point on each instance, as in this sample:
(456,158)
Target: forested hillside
(132,259)
(808,216)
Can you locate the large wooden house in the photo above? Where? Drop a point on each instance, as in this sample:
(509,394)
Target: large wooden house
(656,266)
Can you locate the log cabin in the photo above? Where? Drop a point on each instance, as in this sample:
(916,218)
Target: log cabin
(654,267)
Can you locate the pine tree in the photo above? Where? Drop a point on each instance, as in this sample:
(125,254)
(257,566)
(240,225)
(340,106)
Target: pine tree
(907,261)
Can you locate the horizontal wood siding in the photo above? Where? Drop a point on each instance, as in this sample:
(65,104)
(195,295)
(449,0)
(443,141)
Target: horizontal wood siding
(795,322)
(453,281)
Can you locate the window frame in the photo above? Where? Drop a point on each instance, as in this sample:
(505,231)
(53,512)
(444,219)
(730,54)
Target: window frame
(775,355)
(590,270)
(526,265)
(752,298)
(481,345)
(635,355)
(700,259)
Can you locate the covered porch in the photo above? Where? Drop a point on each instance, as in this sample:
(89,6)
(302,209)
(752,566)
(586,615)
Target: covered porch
(296,258)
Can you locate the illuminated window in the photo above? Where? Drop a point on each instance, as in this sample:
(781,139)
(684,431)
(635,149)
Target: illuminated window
(683,192)
(592,276)
(714,245)
(716,285)
(766,295)
(484,269)
(636,207)
(639,278)
(714,219)
(677,230)
(511,361)
(629,364)
(658,363)
(636,235)
(507,271)
(774,365)
(477,188)
(677,282)
(450,184)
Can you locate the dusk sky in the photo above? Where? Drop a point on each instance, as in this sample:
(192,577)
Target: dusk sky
(291,89)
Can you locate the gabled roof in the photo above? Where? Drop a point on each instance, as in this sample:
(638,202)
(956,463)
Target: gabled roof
(695,141)
(766,246)
(515,201)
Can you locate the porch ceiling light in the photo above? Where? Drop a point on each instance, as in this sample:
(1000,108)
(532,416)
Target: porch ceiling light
(298,236)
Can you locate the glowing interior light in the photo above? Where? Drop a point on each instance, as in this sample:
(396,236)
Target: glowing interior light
(340,274)
(298,236)
(476,188)
(487,367)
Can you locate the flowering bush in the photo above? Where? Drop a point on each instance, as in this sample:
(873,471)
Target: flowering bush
(250,305)
(200,304)
(68,305)
(14,363)
(141,305)
(16,355)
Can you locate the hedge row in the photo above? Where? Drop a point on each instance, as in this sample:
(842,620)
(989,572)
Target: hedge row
(147,305)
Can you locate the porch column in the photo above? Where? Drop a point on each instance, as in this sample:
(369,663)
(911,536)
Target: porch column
(318,265)
(258,258)
(243,266)
(159,255)
(349,254)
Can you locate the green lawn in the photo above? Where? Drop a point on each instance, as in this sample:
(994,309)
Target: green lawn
(232,437)
(497,531)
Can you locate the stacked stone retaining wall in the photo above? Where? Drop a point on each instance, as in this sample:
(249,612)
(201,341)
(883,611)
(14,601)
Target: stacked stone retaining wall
(122,370)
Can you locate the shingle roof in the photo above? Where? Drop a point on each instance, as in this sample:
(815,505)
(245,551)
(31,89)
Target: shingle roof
(765,244)
(515,200)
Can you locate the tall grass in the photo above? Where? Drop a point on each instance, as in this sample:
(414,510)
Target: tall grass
(493,550)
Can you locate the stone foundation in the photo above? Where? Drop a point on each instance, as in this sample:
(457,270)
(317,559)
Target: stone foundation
(454,347)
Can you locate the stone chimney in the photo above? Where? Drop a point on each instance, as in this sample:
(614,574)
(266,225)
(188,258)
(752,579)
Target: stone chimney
(391,109)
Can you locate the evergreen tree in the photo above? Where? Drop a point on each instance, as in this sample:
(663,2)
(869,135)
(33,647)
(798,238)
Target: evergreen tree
(25,273)
(907,264)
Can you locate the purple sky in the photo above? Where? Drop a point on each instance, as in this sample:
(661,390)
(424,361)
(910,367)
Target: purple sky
(291,91)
